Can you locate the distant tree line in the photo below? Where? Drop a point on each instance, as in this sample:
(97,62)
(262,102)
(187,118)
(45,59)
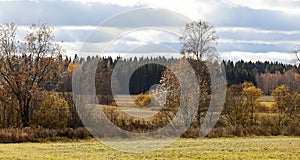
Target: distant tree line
(247,71)
(261,74)
(140,81)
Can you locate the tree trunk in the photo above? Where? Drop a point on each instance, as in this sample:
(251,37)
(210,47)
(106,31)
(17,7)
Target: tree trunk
(25,112)
(25,116)
(252,114)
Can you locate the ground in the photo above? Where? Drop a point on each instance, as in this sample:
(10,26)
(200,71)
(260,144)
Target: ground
(216,148)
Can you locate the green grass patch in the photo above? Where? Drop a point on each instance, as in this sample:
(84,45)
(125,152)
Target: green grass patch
(215,148)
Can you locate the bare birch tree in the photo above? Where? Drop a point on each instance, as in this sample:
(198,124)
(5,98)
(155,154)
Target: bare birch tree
(198,40)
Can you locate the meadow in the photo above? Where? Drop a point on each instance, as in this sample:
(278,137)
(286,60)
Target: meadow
(200,148)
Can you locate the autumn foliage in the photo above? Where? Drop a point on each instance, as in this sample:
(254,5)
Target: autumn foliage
(36,87)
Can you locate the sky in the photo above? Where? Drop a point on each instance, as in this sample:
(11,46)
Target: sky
(265,30)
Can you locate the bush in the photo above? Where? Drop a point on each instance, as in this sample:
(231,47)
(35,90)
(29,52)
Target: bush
(262,108)
(268,119)
(142,100)
(53,112)
(239,131)
(129,123)
(17,135)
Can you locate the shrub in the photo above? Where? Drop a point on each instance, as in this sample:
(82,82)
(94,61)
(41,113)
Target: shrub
(267,119)
(142,100)
(262,108)
(53,112)
(17,135)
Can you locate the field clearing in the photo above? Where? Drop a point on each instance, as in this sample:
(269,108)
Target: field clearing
(125,100)
(218,148)
(266,99)
(137,112)
(268,104)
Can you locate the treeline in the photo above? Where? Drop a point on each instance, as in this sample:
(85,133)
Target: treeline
(144,76)
(269,81)
(247,71)
(140,73)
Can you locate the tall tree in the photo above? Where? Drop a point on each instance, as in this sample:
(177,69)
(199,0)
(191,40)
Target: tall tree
(287,104)
(199,39)
(240,103)
(251,93)
(27,65)
(234,112)
(281,97)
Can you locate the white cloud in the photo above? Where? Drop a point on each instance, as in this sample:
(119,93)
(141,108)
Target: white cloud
(287,6)
(255,41)
(263,56)
(269,27)
(255,30)
(194,9)
(153,36)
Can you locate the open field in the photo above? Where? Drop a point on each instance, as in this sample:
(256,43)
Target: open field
(268,104)
(219,148)
(138,112)
(266,99)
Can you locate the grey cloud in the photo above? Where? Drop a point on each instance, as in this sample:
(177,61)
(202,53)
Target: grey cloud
(99,34)
(272,36)
(148,18)
(254,47)
(56,12)
(262,19)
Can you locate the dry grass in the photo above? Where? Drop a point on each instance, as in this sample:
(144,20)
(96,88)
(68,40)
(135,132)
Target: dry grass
(217,148)
(266,99)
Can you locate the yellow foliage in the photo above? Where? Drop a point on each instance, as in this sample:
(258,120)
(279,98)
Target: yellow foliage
(142,100)
(70,67)
(53,112)
(252,91)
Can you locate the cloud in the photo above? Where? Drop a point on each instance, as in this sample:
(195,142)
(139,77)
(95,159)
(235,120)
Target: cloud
(287,6)
(252,34)
(87,34)
(259,19)
(194,9)
(147,17)
(262,56)
(250,27)
(246,46)
(56,12)
(141,40)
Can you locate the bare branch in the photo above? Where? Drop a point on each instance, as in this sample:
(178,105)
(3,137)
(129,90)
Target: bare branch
(199,39)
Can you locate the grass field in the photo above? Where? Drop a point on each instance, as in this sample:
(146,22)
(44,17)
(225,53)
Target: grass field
(219,148)
(266,99)
(268,104)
